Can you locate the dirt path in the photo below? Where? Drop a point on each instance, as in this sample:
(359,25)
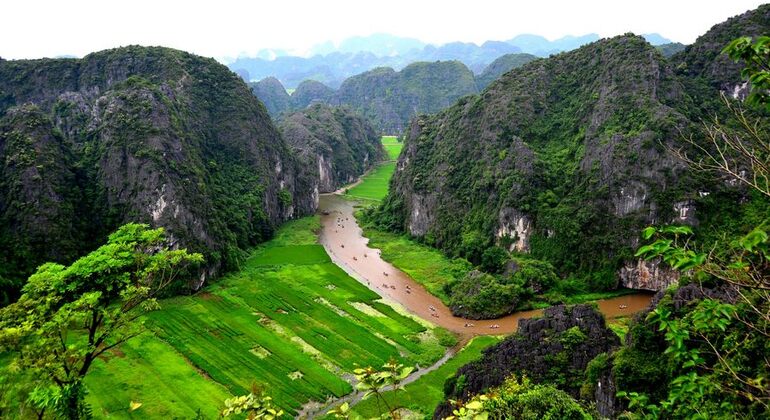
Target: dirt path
(313,410)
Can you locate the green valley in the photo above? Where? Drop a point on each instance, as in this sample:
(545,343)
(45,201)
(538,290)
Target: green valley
(427,391)
(374,185)
(566,228)
(289,320)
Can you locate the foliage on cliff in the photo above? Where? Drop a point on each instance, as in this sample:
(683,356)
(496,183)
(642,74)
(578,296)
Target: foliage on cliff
(338,144)
(569,146)
(500,66)
(390,99)
(387,98)
(554,349)
(139,134)
(273,95)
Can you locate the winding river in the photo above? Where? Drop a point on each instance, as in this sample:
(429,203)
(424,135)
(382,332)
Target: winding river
(347,247)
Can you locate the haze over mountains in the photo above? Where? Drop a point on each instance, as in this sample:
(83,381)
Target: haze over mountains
(331,64)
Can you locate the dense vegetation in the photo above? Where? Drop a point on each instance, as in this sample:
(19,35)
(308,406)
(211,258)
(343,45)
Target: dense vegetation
(68,316)
(700,351)
(339,143)
(137,134)
(566,159)
(501,66)
(290,320)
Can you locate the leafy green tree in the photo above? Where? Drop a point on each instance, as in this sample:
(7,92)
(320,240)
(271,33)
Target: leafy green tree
(341,412)
(67,316)
(256,405)
(520,399)
(719,348)
(493,259)
(755,54)
(374,382)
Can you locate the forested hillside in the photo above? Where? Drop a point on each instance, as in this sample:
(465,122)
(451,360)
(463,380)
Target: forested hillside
(563,158)
(388,99)
(336,144)
(566,159)
(138,134)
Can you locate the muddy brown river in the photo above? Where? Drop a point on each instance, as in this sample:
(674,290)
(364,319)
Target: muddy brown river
(347,247)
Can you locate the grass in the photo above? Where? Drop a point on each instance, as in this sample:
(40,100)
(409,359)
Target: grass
(374,185)
(425,265)
(290,320)
(619,326)
(587,297)
(151,372)
(392,146)
(425,393)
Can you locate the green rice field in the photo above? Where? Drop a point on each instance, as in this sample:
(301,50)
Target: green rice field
(392,146)
(374,185)
(290,320)
(422,395)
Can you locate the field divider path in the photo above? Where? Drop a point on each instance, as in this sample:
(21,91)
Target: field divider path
(316,410)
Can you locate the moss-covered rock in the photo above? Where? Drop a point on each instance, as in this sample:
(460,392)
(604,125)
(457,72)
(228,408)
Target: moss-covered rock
(143,135)
(336,144)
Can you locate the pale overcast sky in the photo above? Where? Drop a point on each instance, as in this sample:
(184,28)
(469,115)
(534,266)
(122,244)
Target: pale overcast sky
(227,28)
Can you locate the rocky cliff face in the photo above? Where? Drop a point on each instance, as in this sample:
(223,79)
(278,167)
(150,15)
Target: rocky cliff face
(336,143)
(647,275)
(389,99)
(139,134)
(561,157)
(271,92)
(553,349)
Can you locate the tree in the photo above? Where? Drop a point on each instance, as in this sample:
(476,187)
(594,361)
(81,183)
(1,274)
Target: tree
(256,405)
(374,382)
(520,399)
(755,55)
(67,316)
(719,347)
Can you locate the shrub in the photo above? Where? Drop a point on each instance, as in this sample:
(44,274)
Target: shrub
(493,259)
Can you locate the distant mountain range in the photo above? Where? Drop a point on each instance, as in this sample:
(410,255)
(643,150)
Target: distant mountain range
(331,64)
(389,98)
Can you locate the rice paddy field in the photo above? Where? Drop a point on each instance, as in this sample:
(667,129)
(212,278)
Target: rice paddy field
(392,146)
(374,185)
(422,395)
(290,320)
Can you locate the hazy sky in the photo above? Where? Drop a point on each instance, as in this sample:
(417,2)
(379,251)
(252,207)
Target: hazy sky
(224,28)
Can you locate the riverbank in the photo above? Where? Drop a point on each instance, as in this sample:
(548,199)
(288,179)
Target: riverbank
(344,242)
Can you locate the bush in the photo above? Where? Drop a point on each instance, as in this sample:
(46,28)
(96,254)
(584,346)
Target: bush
(493,260)
(445,338)
(540,276)
(524,400)
(480,296)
